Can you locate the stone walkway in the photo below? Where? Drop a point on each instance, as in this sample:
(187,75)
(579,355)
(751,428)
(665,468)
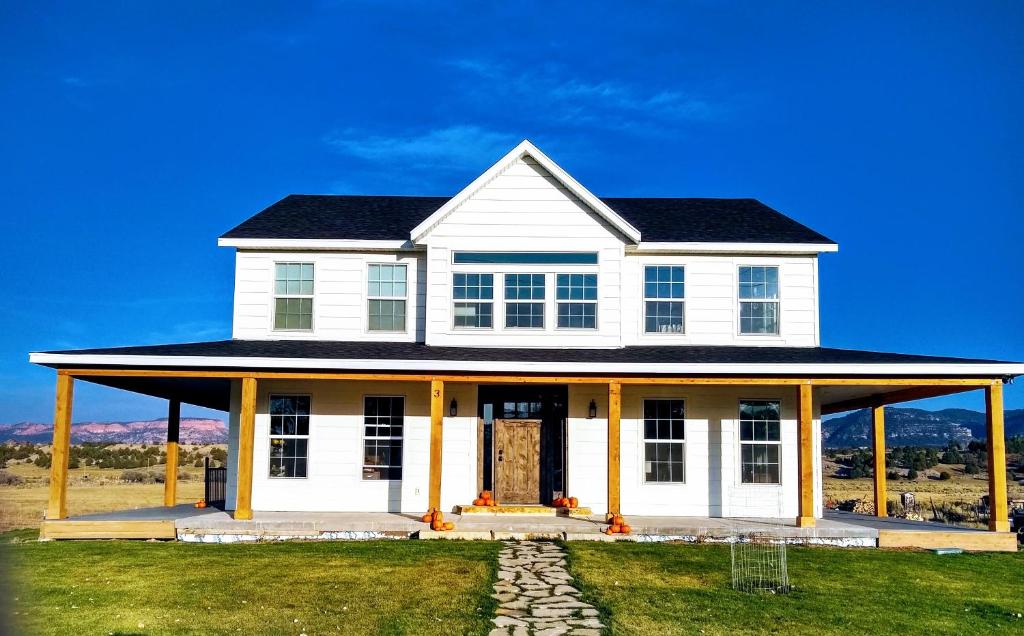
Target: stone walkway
(536,594)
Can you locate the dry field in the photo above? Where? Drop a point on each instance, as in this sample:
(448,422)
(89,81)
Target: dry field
(89,490)
(927,487)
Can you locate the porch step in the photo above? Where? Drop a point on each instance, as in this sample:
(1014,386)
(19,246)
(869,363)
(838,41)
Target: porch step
(541,511)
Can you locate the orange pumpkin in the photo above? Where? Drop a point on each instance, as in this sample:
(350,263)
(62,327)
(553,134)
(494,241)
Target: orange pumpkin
(427,518)
(626,529)
(448,525)
(438,515)
(436,525)
(617,520)
(616,529)
(478,502)
(485,494)
(608,531)
(573,502)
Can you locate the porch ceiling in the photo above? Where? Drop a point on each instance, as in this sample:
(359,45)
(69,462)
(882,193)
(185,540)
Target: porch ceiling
(212,393)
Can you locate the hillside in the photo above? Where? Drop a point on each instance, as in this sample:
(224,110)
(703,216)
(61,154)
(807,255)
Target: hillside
(193,431)
(915,427)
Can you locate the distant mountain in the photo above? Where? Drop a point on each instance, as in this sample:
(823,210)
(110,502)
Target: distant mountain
(193,430)
(915,427)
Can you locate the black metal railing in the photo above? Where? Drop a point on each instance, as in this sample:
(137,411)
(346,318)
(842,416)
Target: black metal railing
(216,485)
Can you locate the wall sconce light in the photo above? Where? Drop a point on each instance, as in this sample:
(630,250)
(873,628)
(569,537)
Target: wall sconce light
(453,408)
(592,413)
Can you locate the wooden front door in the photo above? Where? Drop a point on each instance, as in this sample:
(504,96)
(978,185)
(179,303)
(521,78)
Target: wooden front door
(517,461)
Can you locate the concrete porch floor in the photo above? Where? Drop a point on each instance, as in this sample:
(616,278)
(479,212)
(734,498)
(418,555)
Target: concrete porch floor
(211,525)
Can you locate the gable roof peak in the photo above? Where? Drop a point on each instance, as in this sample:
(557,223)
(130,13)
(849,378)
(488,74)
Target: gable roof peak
(522,149)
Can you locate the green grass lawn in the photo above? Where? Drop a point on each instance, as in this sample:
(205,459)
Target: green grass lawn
(684,589)
(372,587)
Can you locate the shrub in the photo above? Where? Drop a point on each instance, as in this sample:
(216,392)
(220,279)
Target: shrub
(8,479)
(971,468)
(134,476)
(912,473)
(945,476)
(198,464)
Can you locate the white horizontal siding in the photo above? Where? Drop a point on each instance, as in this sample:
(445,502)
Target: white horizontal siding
(339,303)
(712,303)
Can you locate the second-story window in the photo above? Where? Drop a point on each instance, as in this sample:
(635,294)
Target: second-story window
(473,295)
(577,301)
(524,300)
(663,299)
(293,296)
(759,299)
(386,297)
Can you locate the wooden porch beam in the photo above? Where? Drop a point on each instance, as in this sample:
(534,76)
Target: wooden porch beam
(614,446)
(998,520)
(171,468)
(895,397)
(436,442)
(57,506)
(246,439)
(805,427)
(878,449)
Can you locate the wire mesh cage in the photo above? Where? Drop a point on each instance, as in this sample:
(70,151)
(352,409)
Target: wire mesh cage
(759,564)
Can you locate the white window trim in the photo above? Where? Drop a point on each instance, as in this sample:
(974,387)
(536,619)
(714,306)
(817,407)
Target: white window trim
(543,302)
(493,302)
(740,442)
(644,299)
(274,296)
(595,303)
(271,436)
(644,440)
(363,437)
(740,301)
(369,297)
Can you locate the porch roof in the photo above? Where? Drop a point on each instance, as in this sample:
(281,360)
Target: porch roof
(206,367)
(411,356)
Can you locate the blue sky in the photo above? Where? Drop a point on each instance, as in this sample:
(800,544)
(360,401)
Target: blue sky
(133,134)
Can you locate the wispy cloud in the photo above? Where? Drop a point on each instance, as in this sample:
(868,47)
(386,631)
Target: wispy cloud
(458,146)
(564,98)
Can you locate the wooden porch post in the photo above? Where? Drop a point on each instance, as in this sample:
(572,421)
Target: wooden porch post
(614,445)
(57,507)
(997,513)
(805,427)
(246,435)
(171,468)
(436,441)
(878,449)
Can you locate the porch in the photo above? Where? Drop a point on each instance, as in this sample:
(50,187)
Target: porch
(600,408)
(185,523)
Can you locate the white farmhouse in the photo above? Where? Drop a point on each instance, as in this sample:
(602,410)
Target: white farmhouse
(649,357)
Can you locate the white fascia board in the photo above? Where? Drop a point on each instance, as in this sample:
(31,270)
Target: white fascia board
(524,148)
(314,244)
(377,364)
(732,248)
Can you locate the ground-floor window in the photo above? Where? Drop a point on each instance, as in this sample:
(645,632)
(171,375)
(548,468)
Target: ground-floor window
(383,422)
(289,435)
(664,439)
(760,441)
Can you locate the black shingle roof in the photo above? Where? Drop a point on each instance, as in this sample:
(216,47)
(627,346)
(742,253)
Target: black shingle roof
(690,354)
(307,216)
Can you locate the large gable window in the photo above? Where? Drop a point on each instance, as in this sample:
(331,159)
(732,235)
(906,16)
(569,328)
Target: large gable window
(524,301)
(664,441)
(289,435)
(383,422)
(760,441)
(759,299)
(474,300)
(577,301)
(293,296)
(386,297)
(663,299)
